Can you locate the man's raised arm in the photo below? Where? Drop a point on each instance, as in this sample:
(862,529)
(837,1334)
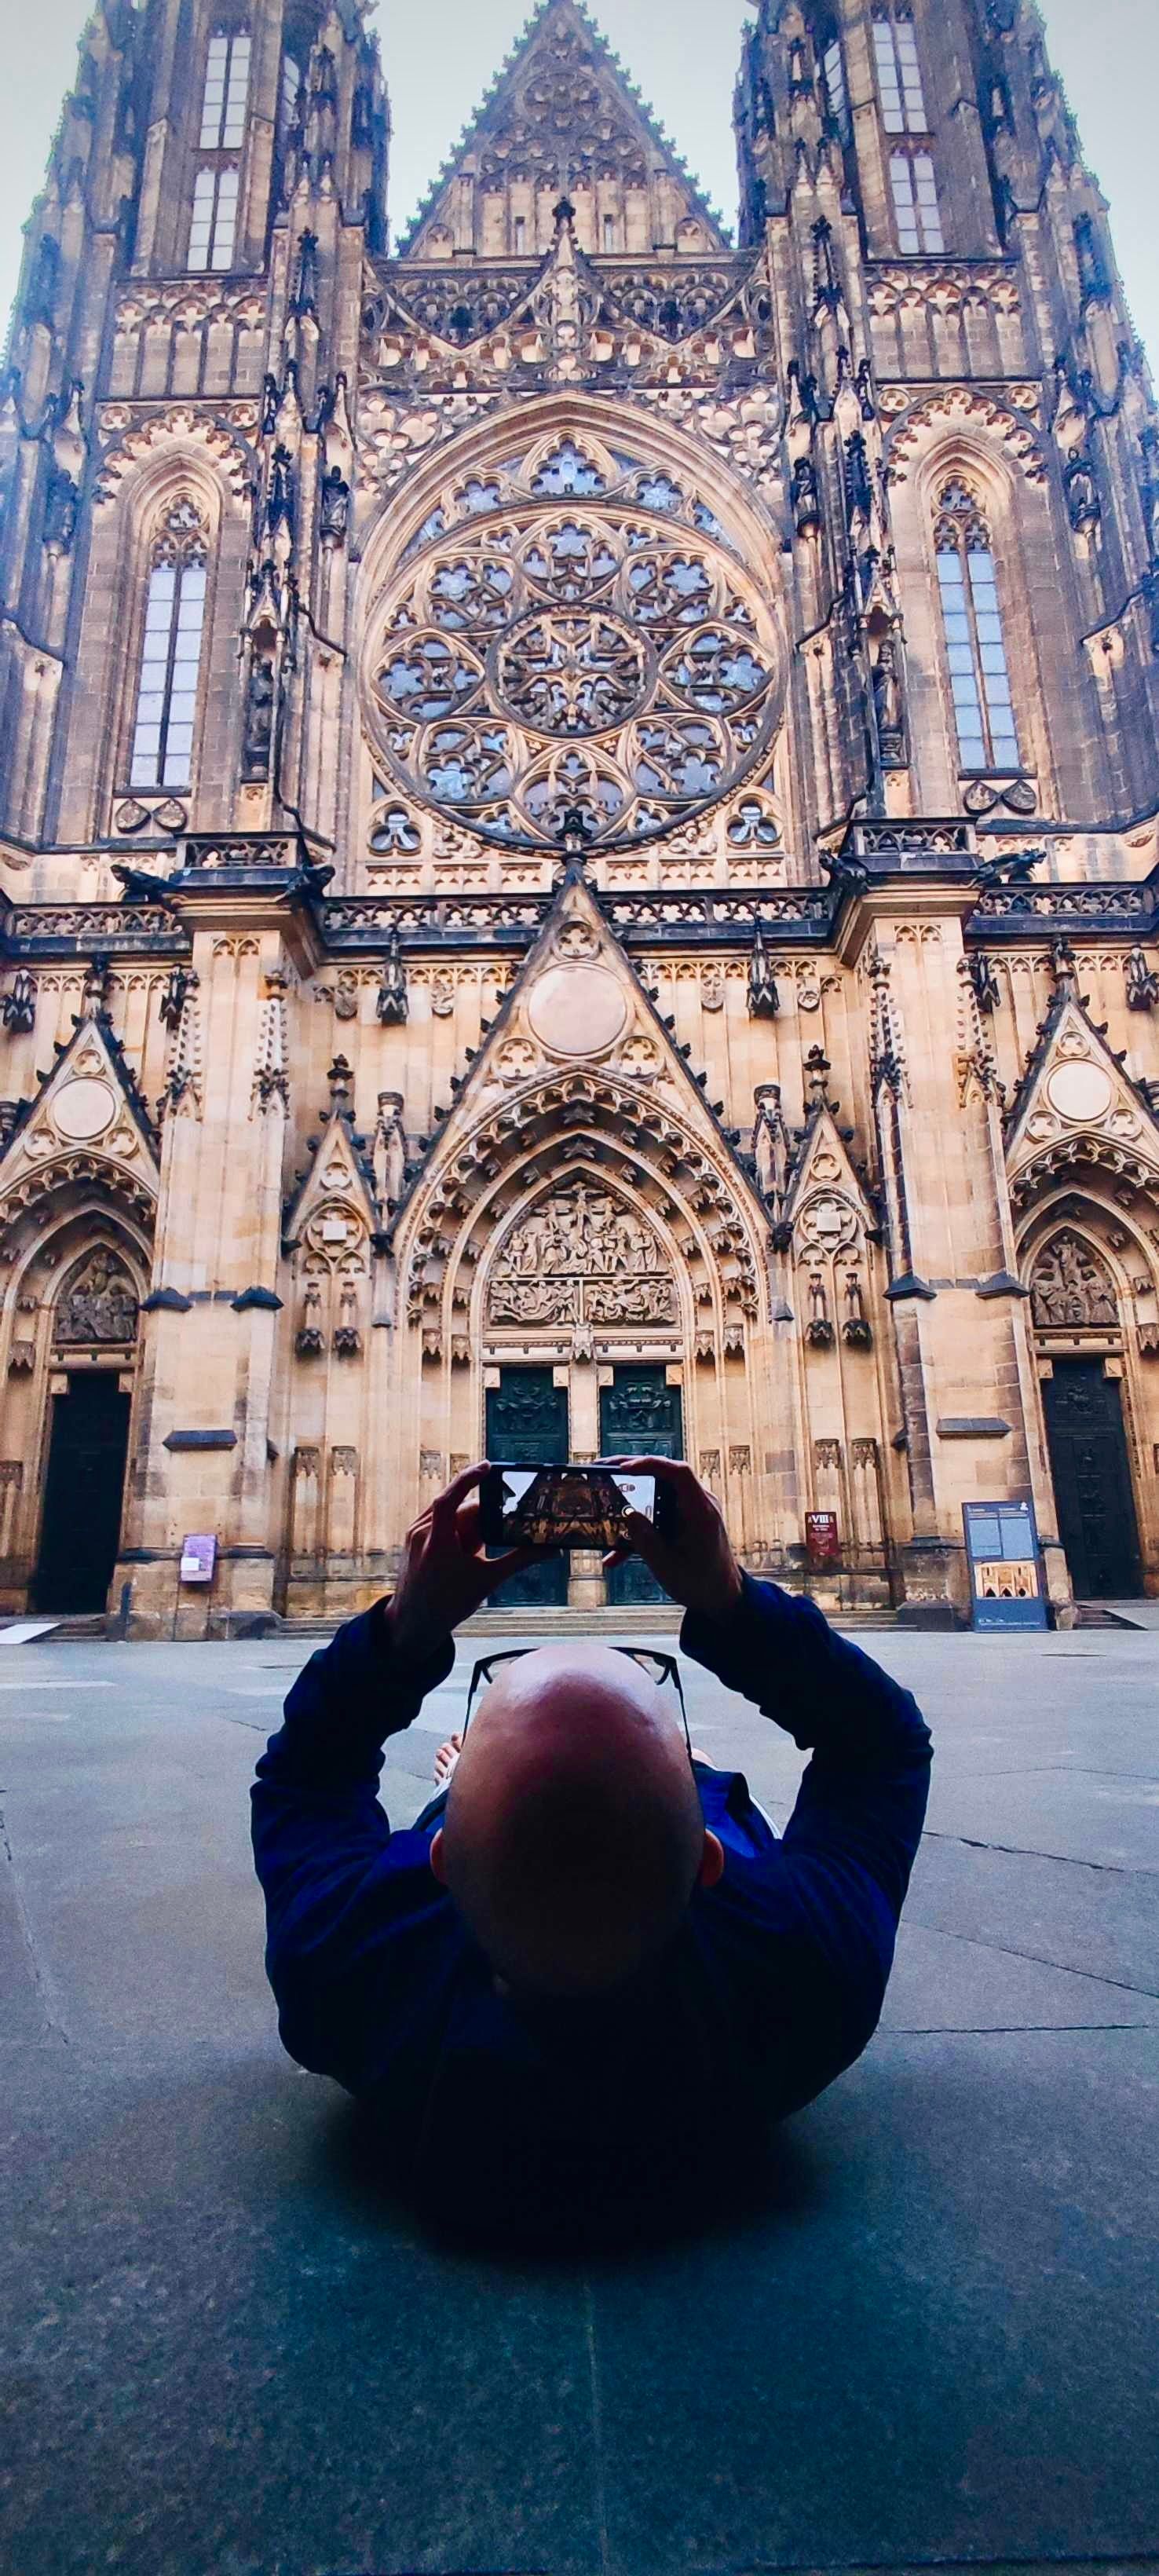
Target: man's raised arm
(851,1841)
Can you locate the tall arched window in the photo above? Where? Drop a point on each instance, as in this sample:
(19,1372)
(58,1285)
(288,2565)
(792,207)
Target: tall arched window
(913,180)
(171,652)
(899,73)
(223,124)
(227,74)
(975,644)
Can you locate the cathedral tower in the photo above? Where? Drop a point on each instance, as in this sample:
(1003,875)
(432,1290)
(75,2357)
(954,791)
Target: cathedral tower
(578,816)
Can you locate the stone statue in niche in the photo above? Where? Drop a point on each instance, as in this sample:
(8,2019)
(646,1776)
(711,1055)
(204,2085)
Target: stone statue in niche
(259,716)
(61,504)
(346,997)
(1082,495)
(347,1338)
(855,1328)
(308,1338)
(805,497)
(390,1149)
(335,508)
(819,1328)
(99,1305)
(766,1138)
(1070,1286)
(391,1002)
(581,1257)
(888,704)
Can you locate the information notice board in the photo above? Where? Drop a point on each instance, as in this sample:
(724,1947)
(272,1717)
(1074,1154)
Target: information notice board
(1006,1587)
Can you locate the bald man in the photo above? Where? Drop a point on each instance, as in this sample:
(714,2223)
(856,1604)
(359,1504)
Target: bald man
(591,1956)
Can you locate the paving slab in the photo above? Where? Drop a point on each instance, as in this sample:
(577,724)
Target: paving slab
(227,2352)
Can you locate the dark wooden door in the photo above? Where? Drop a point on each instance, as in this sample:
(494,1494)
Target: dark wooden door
(527,1427)
(83,1493)
(640,1415)
(1092,1480)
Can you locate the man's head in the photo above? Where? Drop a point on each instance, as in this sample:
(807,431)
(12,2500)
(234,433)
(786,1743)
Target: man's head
(573,1834)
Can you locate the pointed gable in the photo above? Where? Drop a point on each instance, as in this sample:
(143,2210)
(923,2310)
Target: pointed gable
(333,1204)
(88,1122)
(578,1000)
(1076,1103)
(578,1068)
(825,1205)
(562,119)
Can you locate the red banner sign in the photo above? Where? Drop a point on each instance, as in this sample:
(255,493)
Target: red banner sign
(822,1538)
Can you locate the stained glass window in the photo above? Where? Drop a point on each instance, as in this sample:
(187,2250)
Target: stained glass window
(170,653)
(975,643)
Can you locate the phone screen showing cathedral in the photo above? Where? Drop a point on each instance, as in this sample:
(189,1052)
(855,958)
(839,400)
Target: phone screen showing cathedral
(563,1506)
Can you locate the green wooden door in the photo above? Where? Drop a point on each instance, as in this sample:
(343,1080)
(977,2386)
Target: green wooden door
(527,1427)
(640,1414)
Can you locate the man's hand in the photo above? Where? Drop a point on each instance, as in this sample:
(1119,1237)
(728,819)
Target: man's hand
(445,1576)
(693,1559)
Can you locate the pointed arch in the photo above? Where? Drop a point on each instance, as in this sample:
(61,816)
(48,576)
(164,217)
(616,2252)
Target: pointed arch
(585,1123)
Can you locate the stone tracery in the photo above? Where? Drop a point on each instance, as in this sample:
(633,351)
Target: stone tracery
(591,657)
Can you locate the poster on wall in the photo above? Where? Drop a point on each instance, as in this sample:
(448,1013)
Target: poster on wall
(1006,1586)
(198,1557)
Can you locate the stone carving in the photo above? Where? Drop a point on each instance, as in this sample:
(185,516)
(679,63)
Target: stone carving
(1142,983)
(855,1327)
(347,1338)
(19,1003)
(819,1328)
(334,510)
(581,1257)
(763,998)
(1069,1286)
(391,1001)
(889,704)
(308,1338)
(98,1304)
(260,697)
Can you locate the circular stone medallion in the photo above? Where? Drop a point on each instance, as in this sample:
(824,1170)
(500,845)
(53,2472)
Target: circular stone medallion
(84,1109)
(577,1010)
(1080,1090)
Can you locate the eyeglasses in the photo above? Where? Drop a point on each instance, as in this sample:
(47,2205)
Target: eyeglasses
(659,1668)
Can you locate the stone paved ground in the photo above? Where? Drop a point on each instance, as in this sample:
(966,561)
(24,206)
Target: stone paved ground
(223,2354)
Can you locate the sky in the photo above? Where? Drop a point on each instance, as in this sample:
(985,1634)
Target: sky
(683,58)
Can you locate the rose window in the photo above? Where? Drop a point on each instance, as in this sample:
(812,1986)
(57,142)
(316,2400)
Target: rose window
(557,643)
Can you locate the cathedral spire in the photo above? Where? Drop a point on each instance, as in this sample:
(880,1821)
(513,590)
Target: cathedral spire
(562,119)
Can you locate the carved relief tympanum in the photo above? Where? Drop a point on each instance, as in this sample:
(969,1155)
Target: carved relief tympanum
(1070,1286)
(98,1304)
(581,1257)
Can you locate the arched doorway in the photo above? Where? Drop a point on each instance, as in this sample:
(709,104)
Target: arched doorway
(1078,1331)
(94,1330)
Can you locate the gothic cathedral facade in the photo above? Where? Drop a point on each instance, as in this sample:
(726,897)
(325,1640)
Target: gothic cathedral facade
(578,816)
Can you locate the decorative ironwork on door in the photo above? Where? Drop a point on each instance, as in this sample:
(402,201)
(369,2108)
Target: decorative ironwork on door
(639,1412)
(527,1425)
(1092,1480)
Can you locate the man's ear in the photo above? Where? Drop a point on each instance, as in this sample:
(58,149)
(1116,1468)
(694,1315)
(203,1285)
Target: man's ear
(437,1858)
(711,1861)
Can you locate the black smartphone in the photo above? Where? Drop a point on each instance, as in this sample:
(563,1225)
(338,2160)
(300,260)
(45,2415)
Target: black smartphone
(563,1506)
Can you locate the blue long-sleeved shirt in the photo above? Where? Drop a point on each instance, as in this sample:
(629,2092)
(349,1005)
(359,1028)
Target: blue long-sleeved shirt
(772,1985)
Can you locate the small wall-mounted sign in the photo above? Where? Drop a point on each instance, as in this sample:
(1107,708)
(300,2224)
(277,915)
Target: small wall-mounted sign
(198,1557)
(822,1538)
(1006,1589)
